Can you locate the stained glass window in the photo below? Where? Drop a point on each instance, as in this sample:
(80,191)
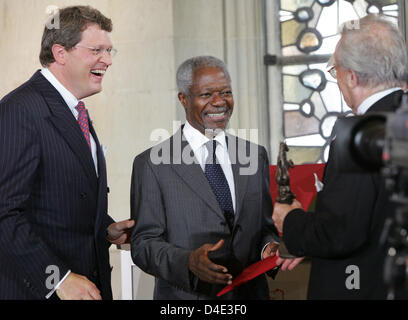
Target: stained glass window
(311,98)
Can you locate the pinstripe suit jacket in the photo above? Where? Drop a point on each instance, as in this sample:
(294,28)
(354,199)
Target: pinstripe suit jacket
(53,207)
(176,212)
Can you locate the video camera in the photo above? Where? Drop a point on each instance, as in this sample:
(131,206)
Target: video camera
(379,142)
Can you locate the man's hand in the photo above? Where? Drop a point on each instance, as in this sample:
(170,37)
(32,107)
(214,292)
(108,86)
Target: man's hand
(77,287)
(270,250)
(288,264)
(120,232)
(205,269)
(280,211)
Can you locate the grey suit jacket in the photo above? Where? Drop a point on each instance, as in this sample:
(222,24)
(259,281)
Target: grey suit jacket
(176,212)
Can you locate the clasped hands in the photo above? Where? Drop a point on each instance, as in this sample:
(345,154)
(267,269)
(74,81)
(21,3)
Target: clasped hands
(78,287)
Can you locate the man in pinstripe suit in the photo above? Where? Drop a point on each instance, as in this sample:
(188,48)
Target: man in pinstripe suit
(54,226)
(185,234)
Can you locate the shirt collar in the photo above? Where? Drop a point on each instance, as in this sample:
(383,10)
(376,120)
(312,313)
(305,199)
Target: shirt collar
(68,97)
(367,103)
(196,139)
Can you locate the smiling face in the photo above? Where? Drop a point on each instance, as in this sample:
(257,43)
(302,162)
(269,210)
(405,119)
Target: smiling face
(210,103)
(83,70)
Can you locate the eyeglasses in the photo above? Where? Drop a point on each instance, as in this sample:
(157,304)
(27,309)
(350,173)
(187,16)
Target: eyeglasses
(331,67)
(333,72)
(98,52)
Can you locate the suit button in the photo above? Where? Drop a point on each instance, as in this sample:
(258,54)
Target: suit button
(95,273)
(83,195)
(27,284)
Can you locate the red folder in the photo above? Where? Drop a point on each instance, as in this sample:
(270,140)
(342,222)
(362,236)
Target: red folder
(251,272)
(302,183)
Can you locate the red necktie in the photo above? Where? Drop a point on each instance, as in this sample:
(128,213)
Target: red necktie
(83,122)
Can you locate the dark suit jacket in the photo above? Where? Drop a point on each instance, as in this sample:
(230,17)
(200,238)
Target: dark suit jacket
(53,207)
(177,212)
(345,229)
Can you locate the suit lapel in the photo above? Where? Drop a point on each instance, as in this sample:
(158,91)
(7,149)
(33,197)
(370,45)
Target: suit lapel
(192,174)
(65,123)
(240,180)
(102,180)
(99,152)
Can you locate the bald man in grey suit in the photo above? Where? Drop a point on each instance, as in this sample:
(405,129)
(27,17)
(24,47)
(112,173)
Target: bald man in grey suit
(191,236)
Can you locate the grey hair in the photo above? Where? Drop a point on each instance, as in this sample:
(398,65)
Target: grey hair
(185,71)
(375,49)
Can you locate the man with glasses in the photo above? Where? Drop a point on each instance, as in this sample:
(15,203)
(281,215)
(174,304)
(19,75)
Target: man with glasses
(54,228)
(342,236)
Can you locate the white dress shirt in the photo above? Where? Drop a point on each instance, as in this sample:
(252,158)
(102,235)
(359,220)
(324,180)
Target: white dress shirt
(72,102)
(197,143)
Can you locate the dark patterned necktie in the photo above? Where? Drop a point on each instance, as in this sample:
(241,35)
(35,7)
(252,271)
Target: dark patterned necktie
(219,183)
(83,122)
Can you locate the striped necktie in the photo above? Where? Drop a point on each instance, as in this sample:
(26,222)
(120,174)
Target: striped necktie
(83,122)
(219,183)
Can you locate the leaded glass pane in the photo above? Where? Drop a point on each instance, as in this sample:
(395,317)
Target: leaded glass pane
(301,155)
(290,107)
(348,12)
(304,14)
(391,13)
(317,9)
(325,25)
(319,109)
(290,51)
(332,97)
(390,7)
(294,70)
(383,3)
(293,5)
(327,124)
(296,123)
(313,79)
(294,91)
(312,100)
(328,44)
(290,31)
(309,40)
(312,140)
